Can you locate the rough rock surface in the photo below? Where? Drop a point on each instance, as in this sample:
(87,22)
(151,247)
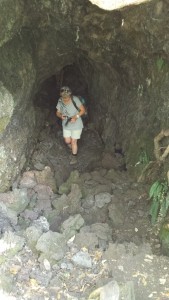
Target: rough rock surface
(119,56)
(82,255)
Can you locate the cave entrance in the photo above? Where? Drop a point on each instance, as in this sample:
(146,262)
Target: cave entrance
(48,93)
(50,149)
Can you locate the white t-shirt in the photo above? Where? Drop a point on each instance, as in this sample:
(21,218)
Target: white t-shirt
(70,110)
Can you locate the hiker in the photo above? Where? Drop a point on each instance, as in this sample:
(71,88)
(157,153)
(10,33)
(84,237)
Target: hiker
(69,110)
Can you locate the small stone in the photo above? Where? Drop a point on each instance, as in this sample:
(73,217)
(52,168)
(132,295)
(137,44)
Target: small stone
(82,259)
(47,264)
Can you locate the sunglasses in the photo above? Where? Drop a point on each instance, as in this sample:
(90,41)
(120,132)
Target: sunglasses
(65,90)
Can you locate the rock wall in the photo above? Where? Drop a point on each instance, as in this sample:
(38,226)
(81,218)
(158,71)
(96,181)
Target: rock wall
(122,54)
(130,76)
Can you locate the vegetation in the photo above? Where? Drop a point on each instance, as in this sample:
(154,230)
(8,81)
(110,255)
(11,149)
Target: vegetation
(159,193)
(143,158)
(160,63)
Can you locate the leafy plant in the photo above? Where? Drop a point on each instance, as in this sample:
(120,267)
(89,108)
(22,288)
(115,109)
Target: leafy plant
(159,193)
(143,158)
(160,63)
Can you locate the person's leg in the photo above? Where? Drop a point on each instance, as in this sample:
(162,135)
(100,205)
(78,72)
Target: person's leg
(67,137)
(75,135)
(68,142)
(74,146)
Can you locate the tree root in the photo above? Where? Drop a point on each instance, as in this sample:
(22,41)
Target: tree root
(150,172)
(152,169)
(157,147)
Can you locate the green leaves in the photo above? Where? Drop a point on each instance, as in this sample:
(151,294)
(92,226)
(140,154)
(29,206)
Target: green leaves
(154,211)
(143,158)
(154,189)
(159,193)
(160,63)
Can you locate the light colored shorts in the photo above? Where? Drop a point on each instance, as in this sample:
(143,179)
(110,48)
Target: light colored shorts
(74,134)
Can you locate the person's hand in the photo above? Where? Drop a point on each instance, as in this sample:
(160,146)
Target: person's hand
(73,119)
(63,117)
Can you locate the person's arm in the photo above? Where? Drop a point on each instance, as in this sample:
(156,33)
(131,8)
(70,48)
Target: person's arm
(79,114)
(59,115)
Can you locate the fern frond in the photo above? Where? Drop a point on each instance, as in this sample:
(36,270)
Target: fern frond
(154,211)
(158,192)
(153,188)
(167,201)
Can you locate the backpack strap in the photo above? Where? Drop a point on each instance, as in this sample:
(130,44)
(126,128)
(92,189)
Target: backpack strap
(75,105)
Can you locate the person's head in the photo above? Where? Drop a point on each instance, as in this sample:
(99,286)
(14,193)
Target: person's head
(65,92)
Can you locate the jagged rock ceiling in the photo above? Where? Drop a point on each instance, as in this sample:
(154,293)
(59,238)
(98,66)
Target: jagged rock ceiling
(122,54)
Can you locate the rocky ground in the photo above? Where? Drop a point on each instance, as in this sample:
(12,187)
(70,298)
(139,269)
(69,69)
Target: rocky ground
(79,232)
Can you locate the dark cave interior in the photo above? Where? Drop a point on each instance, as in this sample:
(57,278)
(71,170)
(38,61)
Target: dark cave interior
(49,91)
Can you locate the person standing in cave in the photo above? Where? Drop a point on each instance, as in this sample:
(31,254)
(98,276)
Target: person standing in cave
(72,124)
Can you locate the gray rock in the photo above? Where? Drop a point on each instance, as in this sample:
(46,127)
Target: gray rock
(7,216)
(16,200)
(32,235)
(29,214)
(102,199)
(42,277)
(74,199)
(88,240)
(96,189)
(82,259)
(102,231)
(28,180)
(116,214)
(71,226)
(46,177)
(115,251)
(39,166)
(56,282)
(42,224)
(52,245)
(44,195)
(110,291)
(6,285)
(61,203)
(66,186)
(88,202)
(127,291)
(10,244)
(67,266)
(5,224)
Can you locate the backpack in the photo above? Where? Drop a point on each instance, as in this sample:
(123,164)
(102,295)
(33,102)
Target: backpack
(84,103)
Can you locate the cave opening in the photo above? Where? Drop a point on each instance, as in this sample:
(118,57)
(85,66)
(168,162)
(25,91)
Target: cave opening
(49,91)
(96,219)
(45,102)
(117,59)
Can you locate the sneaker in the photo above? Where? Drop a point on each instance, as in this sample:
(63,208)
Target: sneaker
(73,160)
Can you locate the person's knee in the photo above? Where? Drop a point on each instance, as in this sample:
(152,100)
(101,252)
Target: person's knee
(74,142)
(67,140)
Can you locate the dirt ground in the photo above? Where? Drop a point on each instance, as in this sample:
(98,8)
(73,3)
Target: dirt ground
(132,253)
(147,267)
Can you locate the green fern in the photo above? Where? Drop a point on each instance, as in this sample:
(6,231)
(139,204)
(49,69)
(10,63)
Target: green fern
(153,189)
(143,158)
(159,193)
(160,63)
